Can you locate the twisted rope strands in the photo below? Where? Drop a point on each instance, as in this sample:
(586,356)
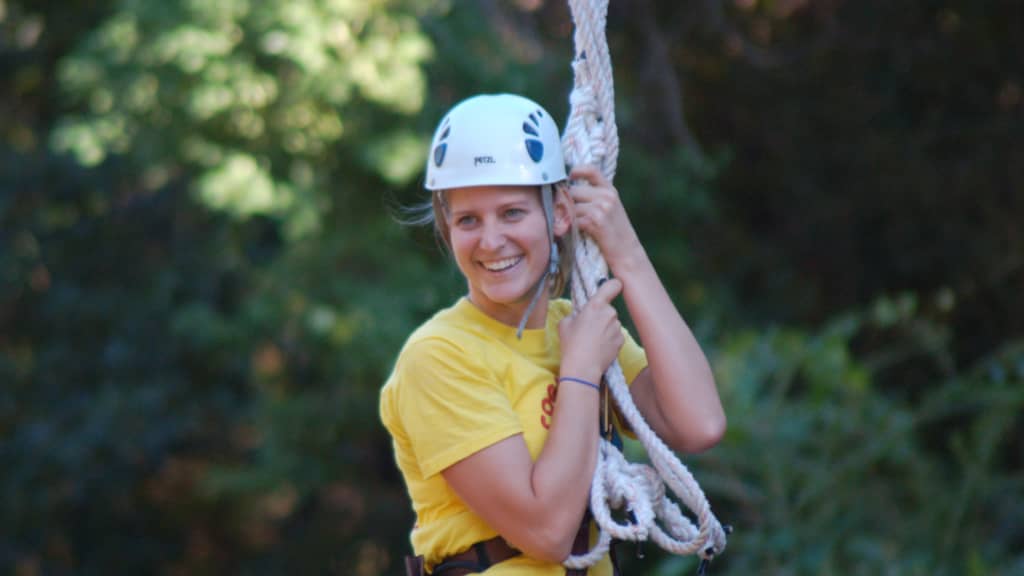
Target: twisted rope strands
(591,137)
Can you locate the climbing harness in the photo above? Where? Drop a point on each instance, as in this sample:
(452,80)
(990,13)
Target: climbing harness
(639,490)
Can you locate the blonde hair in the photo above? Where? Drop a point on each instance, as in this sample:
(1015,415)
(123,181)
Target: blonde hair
(436,212)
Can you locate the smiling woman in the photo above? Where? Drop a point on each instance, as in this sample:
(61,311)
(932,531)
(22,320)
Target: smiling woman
(498,236)
(498,143)
(493,403)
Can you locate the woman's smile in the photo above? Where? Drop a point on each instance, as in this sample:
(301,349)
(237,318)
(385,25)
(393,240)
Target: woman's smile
(502,265)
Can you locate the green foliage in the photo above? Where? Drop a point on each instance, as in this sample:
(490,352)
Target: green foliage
(256,100)
(822,472)
(202,287)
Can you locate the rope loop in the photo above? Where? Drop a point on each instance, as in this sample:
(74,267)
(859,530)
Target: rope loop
(638,491)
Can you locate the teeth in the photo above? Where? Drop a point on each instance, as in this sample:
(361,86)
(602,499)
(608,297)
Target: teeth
(499,265)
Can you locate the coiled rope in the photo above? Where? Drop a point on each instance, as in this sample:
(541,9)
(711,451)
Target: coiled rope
(591,137)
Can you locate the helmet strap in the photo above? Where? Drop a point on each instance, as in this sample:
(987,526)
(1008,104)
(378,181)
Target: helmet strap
(547,200)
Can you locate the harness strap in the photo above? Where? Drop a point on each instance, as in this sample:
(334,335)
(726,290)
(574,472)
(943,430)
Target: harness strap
(487,553)
(478,558)
(580,545)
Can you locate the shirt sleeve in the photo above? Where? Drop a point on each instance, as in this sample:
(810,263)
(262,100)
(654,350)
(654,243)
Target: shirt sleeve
(450,404)
(632,358)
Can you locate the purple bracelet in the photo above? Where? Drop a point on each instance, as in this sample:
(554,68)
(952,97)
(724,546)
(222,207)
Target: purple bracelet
(579,381)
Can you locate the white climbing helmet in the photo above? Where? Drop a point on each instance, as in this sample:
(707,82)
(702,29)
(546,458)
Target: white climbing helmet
(495,139)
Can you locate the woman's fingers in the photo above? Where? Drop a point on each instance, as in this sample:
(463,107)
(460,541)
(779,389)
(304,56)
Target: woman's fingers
(588,181)
(593,337)
(583,193)
(598,211)
(594,217)
(594,198)
(606,293)
(589,173)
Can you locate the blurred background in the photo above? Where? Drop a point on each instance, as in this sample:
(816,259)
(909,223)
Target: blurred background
(203,287)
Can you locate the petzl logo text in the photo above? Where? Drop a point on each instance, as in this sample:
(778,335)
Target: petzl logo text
(483,160)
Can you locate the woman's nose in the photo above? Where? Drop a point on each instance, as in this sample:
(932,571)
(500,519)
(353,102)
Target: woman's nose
(492,236)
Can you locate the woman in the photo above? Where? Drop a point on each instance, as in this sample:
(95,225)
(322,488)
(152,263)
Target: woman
(493,403)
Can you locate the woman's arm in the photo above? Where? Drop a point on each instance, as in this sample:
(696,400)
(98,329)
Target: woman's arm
(676,393)
(538,506)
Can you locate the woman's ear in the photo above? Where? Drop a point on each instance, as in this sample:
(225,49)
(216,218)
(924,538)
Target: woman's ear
(563,210)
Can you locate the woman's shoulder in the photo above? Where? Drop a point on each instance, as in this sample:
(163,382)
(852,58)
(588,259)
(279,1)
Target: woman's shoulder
(451,332)
(438,346)
(448,325)
(443,358)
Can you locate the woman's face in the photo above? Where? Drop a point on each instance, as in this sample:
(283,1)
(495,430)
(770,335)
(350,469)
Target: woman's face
(499,238)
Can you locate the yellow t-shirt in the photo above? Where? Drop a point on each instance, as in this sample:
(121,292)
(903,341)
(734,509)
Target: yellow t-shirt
(461,383)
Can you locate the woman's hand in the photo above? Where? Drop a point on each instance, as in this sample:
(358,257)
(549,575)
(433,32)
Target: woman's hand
(599,212)
(592,338)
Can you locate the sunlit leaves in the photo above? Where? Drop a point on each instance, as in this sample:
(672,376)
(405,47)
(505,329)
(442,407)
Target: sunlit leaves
(119,38)
(241,187)
(93,139)
(191,48)
(384,69)
(240,89)
(398,157)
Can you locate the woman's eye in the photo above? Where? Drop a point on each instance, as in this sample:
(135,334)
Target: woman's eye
(514,212)
(465,220)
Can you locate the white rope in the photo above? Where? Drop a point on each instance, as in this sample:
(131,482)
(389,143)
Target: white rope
(591,137)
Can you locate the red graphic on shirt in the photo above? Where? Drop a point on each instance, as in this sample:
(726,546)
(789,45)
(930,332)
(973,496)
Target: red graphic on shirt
(547,406)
